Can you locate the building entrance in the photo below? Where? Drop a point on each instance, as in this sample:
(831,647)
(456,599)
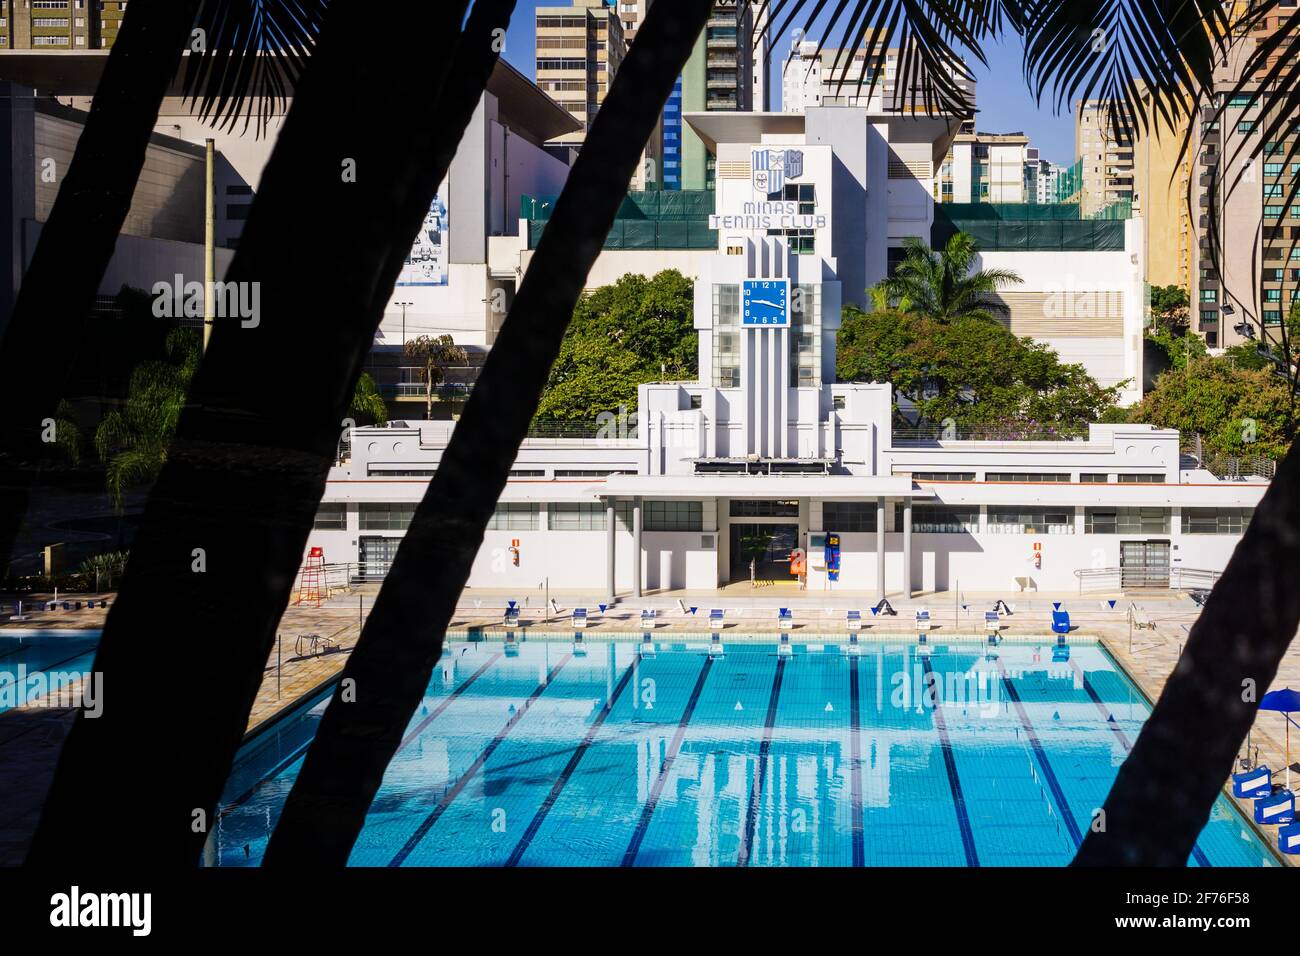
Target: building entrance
(768,545)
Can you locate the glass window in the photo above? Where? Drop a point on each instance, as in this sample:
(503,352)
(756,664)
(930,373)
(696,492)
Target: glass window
(331,518)
(514,516)
(759,508)
(943,476)
(386,517)
(1093,478)
(1154,478)
(849,516)
(575,516)
(672,515)
(1029,477)
(941,519)
(1017,519)
(1126,521)
(1216,520)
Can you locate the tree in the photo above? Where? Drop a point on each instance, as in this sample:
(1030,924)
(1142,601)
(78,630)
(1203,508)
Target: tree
(636,330)
(232,507)
(402,638)
(77,240)
(434,353)
(1169,308)
(367,403)
(132,442)
(969,372)
(1235,410)
(1168,328)
(941,285)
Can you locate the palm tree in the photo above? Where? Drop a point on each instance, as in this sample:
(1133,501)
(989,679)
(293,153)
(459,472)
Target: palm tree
(402,637)
(77,241)
(132,442)
(941,286)
(226,522)
(434,353)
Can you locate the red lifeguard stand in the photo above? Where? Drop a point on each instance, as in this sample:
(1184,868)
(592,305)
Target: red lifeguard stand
(313,574)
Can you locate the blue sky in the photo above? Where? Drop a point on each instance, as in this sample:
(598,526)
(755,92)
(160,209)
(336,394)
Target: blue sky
(1004,102)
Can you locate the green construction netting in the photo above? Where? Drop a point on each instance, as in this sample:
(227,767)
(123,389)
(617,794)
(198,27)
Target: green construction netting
(647,234)
(1006,211)
(661,205)
(1046,235)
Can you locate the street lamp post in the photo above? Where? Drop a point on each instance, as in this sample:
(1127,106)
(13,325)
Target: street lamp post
(403,305)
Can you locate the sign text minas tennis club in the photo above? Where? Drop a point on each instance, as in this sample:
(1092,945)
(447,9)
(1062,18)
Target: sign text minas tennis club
(777,214)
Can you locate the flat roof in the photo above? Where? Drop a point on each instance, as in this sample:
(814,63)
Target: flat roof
(726,126)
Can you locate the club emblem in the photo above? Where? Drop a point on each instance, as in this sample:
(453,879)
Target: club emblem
(772,167)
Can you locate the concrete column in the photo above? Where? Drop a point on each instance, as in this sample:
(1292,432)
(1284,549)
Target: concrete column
(611,523)
(880,547)
(907,548)
(636,547)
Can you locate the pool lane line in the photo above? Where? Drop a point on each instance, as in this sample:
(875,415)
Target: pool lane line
(760,772)
(540,816)
(1054,785)
(954,781)
(855,764)
(638,835)
(454,791)
(300,750)
(1106,715)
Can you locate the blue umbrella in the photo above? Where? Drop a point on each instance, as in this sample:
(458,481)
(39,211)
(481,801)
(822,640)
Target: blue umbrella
(1285,701)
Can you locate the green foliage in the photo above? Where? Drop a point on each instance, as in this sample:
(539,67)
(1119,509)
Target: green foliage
(969,370)
(1169,307)
(1236,410)
(940,285)
(104,568)
(1178,348)
(636,330)
(367,404)
(132,441)
(67,433)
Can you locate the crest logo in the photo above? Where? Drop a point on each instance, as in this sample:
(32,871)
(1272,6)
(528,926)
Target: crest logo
(772,167)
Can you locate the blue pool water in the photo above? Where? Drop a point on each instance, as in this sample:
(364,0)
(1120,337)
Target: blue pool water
(539,757)
(28,653)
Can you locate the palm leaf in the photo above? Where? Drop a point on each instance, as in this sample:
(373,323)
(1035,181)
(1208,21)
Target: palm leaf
(253,52)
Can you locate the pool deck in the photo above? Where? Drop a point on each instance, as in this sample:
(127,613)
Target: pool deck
(30,737)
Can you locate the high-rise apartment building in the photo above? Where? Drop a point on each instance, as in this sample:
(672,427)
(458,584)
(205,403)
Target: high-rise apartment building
(59,24)
(986,167)
(1103,142)
(579,49)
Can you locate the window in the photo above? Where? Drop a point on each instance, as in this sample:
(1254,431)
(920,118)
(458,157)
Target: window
(1273,212)
(386,517)
(1246,126)
(726,343)
(1028,477)
(1273,191)
(576,516)
(1093,478)
(331,518)
(1209,316)
(1126,521)
(514,516)
(745,508)
(238,189)
(849,516)
(943,476)
(527,473)
(672,515)
(1209,295)
(1273,169)
(1216,520)
(1272,317)
(1021,520)
(592,472)
(941,519)
(1151,478)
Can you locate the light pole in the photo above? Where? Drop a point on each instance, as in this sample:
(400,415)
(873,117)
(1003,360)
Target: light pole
(403,305)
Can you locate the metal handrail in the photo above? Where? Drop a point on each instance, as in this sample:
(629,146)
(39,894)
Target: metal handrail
(1178,578)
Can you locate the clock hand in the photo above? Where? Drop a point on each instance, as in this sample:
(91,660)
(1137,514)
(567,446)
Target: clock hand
(776,305)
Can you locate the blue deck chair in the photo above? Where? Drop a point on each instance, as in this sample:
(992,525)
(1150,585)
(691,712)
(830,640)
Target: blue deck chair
(715,619)
(1061,622)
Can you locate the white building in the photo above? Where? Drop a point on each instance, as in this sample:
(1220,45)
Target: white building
(767,451)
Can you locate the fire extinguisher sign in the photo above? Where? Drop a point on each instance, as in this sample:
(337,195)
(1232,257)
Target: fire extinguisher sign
(1038,554)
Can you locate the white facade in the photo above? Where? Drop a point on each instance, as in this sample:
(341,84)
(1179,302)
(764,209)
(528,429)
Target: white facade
(765,446)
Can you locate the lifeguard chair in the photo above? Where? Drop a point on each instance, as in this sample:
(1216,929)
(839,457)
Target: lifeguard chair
(313,575)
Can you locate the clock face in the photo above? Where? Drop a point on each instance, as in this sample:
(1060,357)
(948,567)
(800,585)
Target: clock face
(764,302)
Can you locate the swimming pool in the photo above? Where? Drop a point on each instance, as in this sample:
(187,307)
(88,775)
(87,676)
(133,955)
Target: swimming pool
(25,655)
(896,756)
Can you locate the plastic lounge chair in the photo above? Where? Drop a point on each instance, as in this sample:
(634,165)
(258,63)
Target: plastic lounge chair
(923,619)
(648,618)
(853,620)
(784,618)
(1061,622)
(579,617)
(716,618)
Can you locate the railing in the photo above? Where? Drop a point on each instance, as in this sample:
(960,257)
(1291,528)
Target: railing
(1233,467)
(1009,431)
(1174,578)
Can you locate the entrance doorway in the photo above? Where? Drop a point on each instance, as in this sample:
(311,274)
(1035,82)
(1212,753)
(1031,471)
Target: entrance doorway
(769,544)
(1144,564)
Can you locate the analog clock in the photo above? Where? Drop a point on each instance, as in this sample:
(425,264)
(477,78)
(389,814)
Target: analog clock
(765,302)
